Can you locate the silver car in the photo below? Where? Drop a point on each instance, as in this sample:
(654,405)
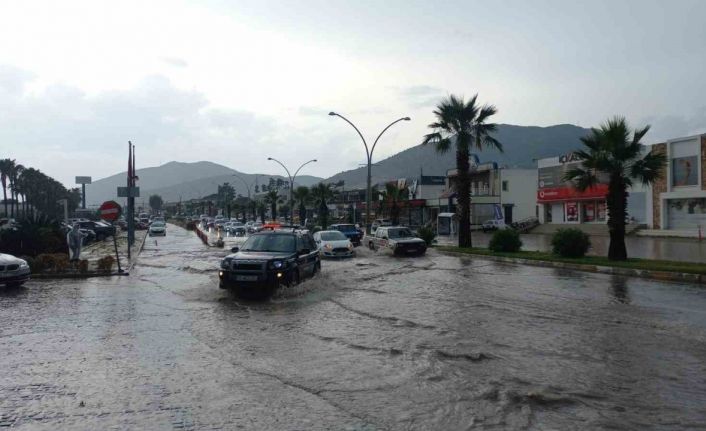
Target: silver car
(13,271)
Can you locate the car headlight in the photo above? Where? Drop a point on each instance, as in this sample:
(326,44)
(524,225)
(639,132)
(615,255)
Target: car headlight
(277,264)
(225,263)
(350,246)
(328,246)
(24,264)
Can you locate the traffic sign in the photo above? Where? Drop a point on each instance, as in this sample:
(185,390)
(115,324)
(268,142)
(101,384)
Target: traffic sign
(110,210)
(128,192)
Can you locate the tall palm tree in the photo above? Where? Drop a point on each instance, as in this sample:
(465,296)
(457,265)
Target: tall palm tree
(6,168)
(261,208)
(14,175)
(272,198)
(464,124)
(394,195)
(302,195)
(611,151)
(321,193)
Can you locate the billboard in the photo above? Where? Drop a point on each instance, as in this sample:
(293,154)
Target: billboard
(552,187)
(684,171)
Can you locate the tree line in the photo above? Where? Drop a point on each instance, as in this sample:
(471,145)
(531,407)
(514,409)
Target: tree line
(33,193)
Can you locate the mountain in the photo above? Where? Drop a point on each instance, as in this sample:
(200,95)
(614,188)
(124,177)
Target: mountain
(175,180)
(522,145)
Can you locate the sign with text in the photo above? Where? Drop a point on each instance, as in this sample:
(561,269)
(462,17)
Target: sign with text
(128,192)
(83,180)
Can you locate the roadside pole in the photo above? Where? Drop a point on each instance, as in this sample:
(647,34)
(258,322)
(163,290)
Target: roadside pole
(110,211)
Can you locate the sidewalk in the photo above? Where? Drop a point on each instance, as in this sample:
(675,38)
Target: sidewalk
(97,250)
(669,233)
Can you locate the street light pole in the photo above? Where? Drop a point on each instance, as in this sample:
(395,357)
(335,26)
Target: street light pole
(291,181)
(369,155)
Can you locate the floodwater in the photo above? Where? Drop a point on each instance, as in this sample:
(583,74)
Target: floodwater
(373,343)
(679,249)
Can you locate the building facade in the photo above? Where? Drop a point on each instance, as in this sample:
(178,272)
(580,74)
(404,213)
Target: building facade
(560,203)
(678,198)
(494,191)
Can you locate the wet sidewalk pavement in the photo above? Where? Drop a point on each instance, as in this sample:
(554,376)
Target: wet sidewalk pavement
(373,343)
(677,249)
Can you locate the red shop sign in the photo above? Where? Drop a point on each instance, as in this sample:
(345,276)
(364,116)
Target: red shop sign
(564,193)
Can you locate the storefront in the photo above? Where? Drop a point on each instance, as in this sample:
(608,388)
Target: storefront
(560,202)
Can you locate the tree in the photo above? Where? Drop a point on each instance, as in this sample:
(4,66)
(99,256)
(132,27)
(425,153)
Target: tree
(6,168)
(611,151)
(465,125)
(272,198)
(261,208)
(321,193)
(302,195)
(156,202)
(394,195)
(15,201)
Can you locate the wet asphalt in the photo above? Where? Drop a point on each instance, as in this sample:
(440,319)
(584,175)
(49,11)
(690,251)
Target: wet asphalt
(372,343)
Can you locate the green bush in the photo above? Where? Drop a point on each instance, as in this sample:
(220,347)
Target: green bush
(570,242)
(505,240)
(427,234)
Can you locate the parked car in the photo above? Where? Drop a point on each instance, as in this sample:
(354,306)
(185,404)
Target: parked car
(8,223)
(269,260)
(157,219)
(13,271)
(238,231)
(350,231)
(399,239)
(333,243)
(491,225)
(378,223)
(102,229)
(158,228)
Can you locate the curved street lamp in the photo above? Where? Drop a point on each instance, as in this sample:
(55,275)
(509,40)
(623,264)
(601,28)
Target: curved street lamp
(369,155)
(291,181)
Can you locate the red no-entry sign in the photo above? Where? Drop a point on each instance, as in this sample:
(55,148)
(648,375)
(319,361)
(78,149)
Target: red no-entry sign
(110,210)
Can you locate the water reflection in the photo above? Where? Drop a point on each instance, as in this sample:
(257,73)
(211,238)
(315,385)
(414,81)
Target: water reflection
(619,289)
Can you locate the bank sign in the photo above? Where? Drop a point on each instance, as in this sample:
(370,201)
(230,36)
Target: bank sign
(552,187)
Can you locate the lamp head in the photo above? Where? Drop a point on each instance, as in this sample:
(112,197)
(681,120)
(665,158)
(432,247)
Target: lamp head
(406,118)
(269,158)
(332,113)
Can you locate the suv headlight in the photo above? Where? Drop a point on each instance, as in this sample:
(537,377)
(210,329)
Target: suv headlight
(277,264)
(24,264)
(225,263)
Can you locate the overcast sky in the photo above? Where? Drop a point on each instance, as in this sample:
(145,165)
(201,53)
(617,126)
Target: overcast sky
(237,81)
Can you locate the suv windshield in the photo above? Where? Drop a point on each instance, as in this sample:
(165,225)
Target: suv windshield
(333,236)
(273,243)
(399,233)
(345,227)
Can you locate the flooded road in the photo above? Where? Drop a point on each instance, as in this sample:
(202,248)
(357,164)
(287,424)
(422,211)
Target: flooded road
(373,343)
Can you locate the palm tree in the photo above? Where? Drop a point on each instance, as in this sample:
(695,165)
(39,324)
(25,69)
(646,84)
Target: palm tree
(6,168)
(611,151)
(394,195)
(261,208)
(321,193)
(14,175)
(303,196)
(465,124)
(272,198)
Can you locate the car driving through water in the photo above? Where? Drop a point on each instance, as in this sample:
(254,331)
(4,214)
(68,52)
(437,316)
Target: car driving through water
(269,260)
(399,239)
(333,243)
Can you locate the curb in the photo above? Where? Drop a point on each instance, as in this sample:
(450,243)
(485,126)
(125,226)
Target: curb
(76,276)
(629,272)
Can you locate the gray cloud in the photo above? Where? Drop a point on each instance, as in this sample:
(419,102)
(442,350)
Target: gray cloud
(675,126)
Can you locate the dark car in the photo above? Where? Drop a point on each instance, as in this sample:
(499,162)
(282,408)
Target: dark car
(350,231)
(268,260)
(101,229)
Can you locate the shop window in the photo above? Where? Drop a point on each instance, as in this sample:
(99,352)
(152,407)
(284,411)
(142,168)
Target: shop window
(589,212)
(685,171)
(572,212)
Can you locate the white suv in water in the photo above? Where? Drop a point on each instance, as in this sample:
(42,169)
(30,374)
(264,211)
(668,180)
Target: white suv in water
(13,271)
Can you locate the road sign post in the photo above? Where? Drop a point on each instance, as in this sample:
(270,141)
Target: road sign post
(83,181)
(110,211)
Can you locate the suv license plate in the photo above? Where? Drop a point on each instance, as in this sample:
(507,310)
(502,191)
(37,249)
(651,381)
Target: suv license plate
(411,250)
(246,278)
